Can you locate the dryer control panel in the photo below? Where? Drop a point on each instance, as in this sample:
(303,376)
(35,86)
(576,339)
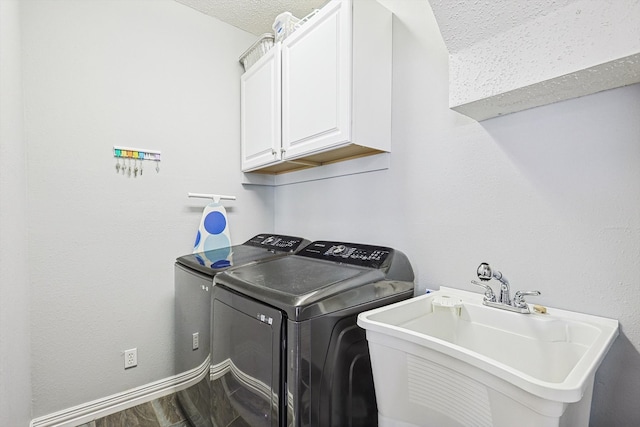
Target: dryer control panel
(347,253)
(275,242)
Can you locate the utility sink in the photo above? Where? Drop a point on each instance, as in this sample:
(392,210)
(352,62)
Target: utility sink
(445,359)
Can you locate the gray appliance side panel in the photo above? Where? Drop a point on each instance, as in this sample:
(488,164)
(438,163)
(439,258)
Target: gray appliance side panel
(399,268)
(314,350)
(192,314)
(298,369)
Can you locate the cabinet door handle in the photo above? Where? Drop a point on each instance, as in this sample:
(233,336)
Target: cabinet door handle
(273,152)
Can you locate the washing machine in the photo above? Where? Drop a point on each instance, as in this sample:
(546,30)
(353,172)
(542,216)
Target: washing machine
(286,350)
(193,284)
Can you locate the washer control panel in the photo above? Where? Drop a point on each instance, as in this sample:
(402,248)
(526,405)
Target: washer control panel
(347,253)
(275,242)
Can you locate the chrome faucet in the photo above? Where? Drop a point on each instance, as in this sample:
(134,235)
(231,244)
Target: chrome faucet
(486,273)
(519,305)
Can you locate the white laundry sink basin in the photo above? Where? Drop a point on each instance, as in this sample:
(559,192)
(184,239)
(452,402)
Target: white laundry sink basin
(444,359)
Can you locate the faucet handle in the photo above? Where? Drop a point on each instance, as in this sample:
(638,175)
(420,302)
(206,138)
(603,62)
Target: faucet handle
(484,272)
(488,292)
(518,299)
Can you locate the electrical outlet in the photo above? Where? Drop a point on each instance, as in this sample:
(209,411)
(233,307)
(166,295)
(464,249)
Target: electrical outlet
(130,358)
(195,341)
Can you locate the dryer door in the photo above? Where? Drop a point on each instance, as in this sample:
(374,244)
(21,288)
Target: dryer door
(246,361)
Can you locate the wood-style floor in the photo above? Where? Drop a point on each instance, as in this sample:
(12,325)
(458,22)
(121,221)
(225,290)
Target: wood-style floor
(162,412)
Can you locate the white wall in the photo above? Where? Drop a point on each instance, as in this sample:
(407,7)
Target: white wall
(549,196)
(146,74)
(15,380)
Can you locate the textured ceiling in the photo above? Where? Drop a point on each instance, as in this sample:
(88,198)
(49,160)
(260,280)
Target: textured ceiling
(254,16)
(505,55)
(464,23)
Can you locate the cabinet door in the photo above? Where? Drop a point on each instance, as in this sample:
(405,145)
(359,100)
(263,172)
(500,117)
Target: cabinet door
(316,82)
(260,112)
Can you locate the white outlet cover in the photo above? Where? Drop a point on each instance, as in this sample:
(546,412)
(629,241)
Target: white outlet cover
(195,341)
(130,358)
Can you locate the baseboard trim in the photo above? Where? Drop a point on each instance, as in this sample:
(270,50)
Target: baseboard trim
(99,408)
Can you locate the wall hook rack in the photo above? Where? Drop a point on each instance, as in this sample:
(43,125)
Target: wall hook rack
(133,160)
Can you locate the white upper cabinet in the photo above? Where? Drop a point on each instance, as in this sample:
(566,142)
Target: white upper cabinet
(316,83)
(334,93)
(260,112)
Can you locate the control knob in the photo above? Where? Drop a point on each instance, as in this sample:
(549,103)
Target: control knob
(338,250)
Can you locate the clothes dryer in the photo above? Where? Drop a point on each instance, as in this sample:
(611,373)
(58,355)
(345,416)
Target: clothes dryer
(286,350)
